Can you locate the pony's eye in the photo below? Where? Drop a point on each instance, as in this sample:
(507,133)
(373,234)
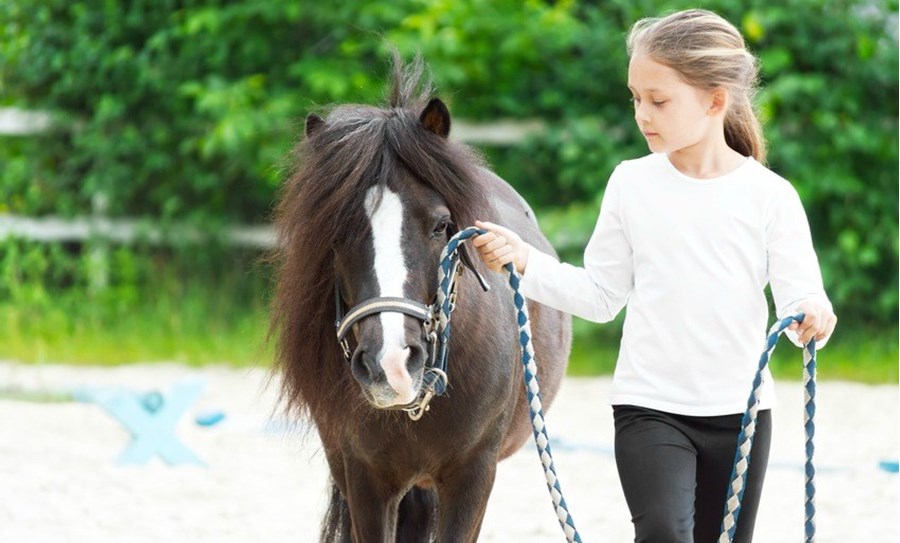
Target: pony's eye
(441,227)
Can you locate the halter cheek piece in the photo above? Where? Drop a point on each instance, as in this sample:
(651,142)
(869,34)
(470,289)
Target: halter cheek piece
(434,317)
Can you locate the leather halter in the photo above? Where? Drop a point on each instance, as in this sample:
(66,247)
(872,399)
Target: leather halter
(344,323)
(435,378)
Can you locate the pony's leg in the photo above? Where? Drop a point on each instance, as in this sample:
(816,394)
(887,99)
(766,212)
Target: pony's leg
(463,497)
(373,505)
(336,524)
(416,516)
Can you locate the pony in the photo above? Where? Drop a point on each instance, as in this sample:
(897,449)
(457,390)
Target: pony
(370,199)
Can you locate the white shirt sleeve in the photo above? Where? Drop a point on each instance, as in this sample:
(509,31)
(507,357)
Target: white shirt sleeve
(600,289)
(793,267)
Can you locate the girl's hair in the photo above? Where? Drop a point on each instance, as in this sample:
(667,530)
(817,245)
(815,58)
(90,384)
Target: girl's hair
(708,52)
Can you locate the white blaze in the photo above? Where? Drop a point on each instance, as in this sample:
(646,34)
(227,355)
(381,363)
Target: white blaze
(390,271)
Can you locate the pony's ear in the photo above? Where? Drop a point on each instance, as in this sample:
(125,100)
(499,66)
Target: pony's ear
(313,123)
(436,118)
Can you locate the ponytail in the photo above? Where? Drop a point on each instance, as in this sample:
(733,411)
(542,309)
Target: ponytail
(743,131)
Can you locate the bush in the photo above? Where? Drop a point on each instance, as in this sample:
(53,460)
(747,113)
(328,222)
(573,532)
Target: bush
(828,104)
(183,110)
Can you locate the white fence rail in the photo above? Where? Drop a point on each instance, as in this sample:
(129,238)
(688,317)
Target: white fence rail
(56,229)
(17,122)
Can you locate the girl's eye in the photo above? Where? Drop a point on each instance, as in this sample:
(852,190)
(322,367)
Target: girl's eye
(659,104)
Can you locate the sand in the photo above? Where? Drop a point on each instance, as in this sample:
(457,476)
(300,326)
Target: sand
(262,481)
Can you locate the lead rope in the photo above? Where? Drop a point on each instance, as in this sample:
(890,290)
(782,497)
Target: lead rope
(748,430)
(444,304)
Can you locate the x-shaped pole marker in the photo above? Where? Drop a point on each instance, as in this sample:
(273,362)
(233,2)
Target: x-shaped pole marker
(151,418)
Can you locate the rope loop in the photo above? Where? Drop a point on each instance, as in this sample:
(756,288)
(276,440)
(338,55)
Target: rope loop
(748,430)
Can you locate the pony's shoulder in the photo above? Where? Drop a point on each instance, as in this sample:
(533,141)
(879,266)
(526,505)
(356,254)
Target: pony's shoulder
(502,193)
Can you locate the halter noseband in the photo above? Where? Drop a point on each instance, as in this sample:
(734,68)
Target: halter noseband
(370,307)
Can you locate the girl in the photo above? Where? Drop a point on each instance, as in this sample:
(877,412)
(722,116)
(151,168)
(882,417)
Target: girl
(687,238)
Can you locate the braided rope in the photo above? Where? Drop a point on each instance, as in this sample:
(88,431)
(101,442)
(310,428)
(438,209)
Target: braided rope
(809,425)
(748,430)
(448,270)
(444,304)
(535,409)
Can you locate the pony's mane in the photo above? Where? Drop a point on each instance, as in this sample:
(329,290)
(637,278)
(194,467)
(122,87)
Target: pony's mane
(321,202)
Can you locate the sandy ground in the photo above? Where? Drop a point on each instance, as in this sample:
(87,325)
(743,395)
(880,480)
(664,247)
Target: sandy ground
(59,481)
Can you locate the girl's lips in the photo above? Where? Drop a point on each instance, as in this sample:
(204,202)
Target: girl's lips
(650,134)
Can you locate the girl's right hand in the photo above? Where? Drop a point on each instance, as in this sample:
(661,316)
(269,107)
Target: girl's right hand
(819,322)
(500,246)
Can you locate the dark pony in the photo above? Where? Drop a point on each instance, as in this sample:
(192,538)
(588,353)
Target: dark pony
(368,181)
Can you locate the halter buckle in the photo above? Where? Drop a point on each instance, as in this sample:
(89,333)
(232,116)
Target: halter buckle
(422,405)
(416,412)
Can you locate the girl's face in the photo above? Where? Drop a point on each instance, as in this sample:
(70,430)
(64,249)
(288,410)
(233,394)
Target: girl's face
(671,114)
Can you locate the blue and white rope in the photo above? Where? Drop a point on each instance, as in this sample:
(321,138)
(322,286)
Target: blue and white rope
(535,409)
(448,270)
(748,430)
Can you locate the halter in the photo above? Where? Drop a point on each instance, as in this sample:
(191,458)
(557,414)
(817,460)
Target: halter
(435,319)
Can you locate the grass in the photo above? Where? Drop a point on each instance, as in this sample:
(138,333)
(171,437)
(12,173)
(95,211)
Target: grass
(198,325)
(144,334)
(137,337)
(180,319)
(862,355)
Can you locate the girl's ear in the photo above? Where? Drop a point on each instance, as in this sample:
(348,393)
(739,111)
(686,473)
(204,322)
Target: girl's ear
(718,101)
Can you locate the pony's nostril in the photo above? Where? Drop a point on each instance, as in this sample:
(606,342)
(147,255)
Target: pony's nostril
(364,366)
(416,357)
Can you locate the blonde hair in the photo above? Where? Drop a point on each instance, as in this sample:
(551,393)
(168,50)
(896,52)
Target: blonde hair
(708,52)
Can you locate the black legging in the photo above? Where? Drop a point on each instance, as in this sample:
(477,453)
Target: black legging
(675,472)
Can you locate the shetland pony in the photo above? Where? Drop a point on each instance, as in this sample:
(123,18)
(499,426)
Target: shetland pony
(373,197)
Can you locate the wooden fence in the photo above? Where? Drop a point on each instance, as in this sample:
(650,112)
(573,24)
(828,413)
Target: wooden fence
(16,122)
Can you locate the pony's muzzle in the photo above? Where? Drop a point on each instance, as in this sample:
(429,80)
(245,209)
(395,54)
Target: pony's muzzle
(391,377)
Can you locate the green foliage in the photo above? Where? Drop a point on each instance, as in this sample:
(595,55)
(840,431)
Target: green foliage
(155,305)
(834,138)
(185,111)
(175,109)
(831,100)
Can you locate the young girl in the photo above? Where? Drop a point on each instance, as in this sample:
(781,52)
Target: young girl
(687,238)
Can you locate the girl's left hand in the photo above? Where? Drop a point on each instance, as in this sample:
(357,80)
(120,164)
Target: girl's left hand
(818,322)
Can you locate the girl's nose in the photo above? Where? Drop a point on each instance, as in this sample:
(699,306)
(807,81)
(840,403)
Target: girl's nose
(640,114)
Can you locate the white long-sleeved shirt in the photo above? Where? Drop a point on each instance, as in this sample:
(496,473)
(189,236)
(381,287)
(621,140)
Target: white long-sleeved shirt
(690,258)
